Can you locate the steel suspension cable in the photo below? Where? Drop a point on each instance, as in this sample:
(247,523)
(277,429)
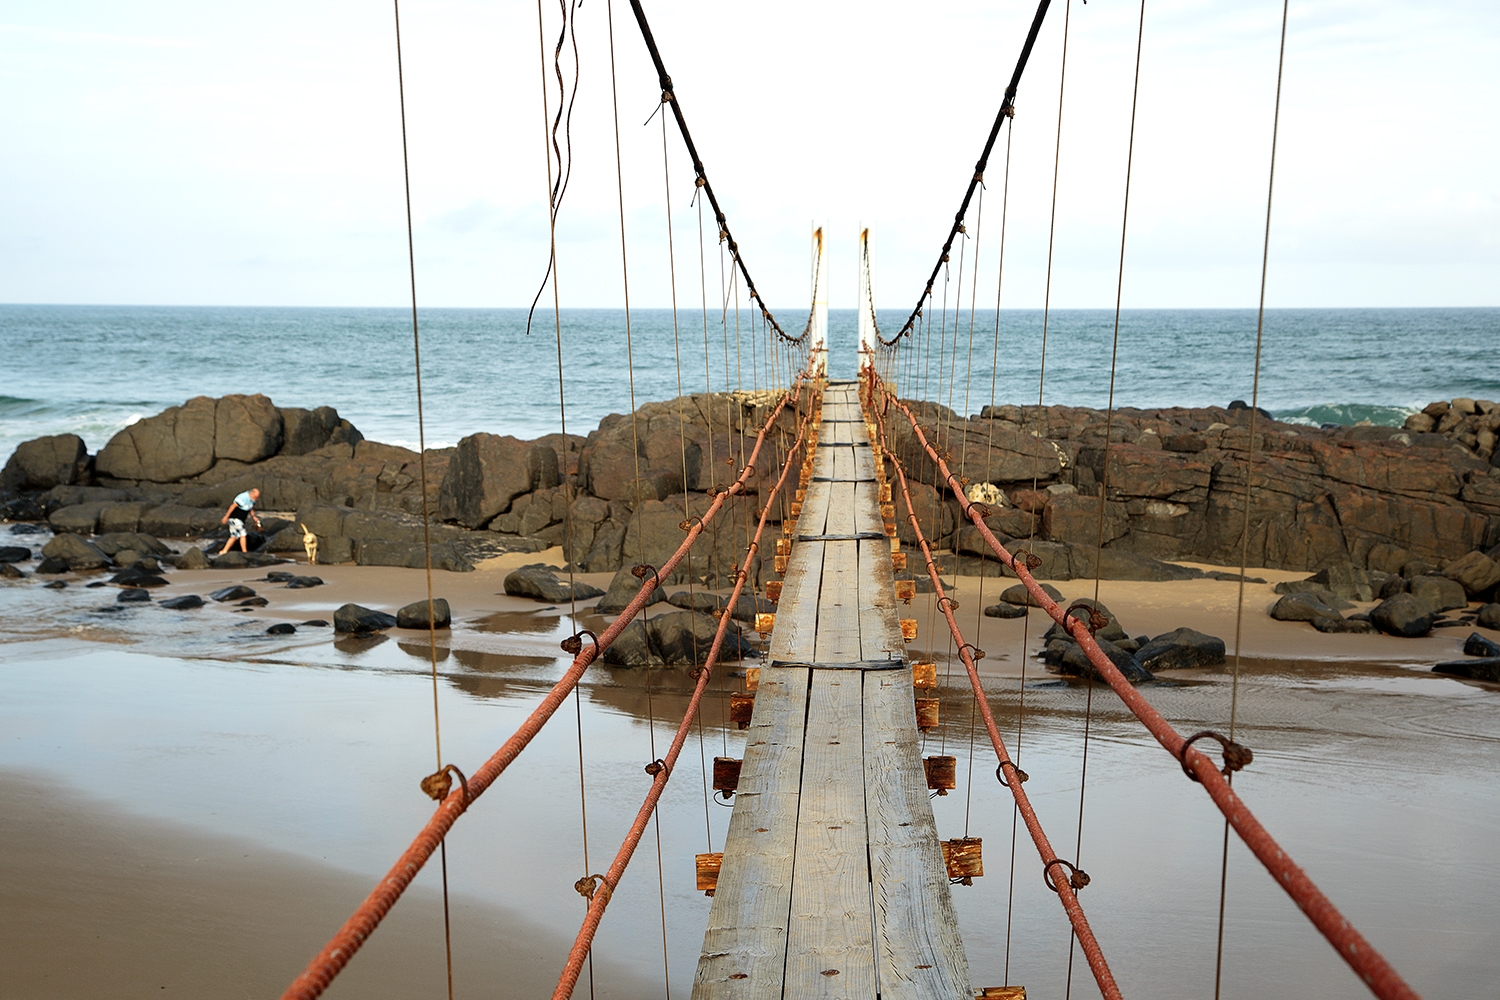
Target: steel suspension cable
(416,347)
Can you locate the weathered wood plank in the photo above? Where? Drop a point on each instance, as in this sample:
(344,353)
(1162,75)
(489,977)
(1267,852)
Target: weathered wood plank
(919,952)
(830,948)
(838,597)
(747,923)
(879,622)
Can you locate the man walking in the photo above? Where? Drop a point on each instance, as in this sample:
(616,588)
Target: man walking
(241,511)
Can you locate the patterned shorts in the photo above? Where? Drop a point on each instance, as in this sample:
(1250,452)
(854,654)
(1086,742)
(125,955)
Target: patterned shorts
(236,528)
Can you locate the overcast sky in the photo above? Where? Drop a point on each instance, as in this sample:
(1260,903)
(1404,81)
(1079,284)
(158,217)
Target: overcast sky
(201,153)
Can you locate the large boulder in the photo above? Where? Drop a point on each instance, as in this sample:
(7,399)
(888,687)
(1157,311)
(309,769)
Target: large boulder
(1489,617)
(1345,580)
(1070,660)
(415,615)
(412,555)
(114,543)
(1403,615)
(1439,593)
(1303,607)
(681,638)
(357,620)
(305,431)
(622,590)
(75,552)
(45,462)
(186,602)
(487,472)
(1074,518)
(1018,594)
(175,444)
(539,581)
(80,518)
(14,553)
(1475,572)
(1111,629)
(1478,645)
(1485,669)
(246,428)
(1003,610)
(1181,649)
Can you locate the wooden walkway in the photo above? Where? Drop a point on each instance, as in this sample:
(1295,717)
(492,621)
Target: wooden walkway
(833,883)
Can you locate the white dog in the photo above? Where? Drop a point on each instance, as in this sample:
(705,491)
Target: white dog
(309,543)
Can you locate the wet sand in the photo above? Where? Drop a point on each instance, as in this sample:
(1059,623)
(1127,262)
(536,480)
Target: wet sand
(285,768)
(96,902)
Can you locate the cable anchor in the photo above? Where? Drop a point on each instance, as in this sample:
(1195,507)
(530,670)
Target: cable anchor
(1236,755)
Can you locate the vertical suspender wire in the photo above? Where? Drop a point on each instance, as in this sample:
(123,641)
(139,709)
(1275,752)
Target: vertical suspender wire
(962,465)
(713,559)
(1041,383)
(672,275)
(416,346)
(1239,613)
(563,425)
(1109,420)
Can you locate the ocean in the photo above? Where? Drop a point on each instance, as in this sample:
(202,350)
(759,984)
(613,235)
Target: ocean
(92,370)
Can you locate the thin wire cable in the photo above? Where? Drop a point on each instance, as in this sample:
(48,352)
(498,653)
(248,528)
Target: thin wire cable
(416,344)
(1239,612)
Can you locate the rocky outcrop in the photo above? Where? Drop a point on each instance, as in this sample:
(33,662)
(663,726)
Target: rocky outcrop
(45,462)
(540,581)
(1403,615)
(680,638)
(75,553)
(487,472)
(622,590)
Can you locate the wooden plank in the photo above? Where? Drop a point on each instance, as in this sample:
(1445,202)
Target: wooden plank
(841,463)
(879,622)
(830,947)
(747,923)
(797,611)
(919,951)
(838,597)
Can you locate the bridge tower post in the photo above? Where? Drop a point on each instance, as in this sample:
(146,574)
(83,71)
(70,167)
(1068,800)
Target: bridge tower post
(818,322)
(865,306)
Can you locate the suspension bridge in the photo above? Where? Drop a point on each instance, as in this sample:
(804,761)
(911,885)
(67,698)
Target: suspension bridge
(833,880)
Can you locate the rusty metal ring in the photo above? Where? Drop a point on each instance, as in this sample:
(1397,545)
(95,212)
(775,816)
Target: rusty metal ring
(640,570)
(656,767)
(591,884)
(573,644)
(438,785)
(1033,561)
(984,511)
(974,651)
(687,525)
(1000,773)
(1077,877)
(952,604)
(1236,755)
(1096,618)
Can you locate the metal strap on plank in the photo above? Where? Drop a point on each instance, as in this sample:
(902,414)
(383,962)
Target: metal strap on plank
(890,664)
(831,479)
(843,444)
(858,536)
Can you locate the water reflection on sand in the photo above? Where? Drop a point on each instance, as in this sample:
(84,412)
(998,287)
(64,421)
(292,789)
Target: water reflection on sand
(1379,780)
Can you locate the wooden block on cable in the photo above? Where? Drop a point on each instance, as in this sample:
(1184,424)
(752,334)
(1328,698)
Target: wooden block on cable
(1000,993)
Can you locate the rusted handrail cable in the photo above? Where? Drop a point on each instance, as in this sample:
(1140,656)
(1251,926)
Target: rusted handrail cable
(1378,974)
(599,900)
(327,964)
(1007,109)
(1066,893)
(669,96)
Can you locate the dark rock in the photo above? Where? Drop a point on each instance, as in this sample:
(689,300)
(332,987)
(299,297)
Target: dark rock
(134,577)
(681,638)
(133,595)
(414,615)
(52,565)
(1303,607)
(1439,593)
(55,584)
(1231,577)
(234,593)
(174,444)
(1393,585)
(1018,594)
(14,553)
(1070,660)
(1111,629)
(1003,610)
(315,623)
(1187,443)
(1488,616)
(75,552)
(23,509)
(412,555)
(282,628)
(9,571)
(1403,615)
(696,601)
(304,582)
(1478,645)
(1487,669)
(192,559)
(252,602)
(1343,625)
(1086,561)
(184,603)
(487,472)
(114,542)
(45,462)
(352,618)
(1075,519)
(1346,580)
(96,583)
(1317,590)
(1474,571)
(306,431)
(632,648)
(622,590)
(1417,567)
(538,581)
(1181,649)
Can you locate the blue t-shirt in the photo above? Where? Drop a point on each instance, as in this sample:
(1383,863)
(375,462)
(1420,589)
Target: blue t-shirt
(243,504)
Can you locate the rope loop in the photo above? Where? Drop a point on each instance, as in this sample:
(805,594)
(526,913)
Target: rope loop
(438,785)
(1000,773)
(656,767)
(573,644)
(1077,877)
(1236,755)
